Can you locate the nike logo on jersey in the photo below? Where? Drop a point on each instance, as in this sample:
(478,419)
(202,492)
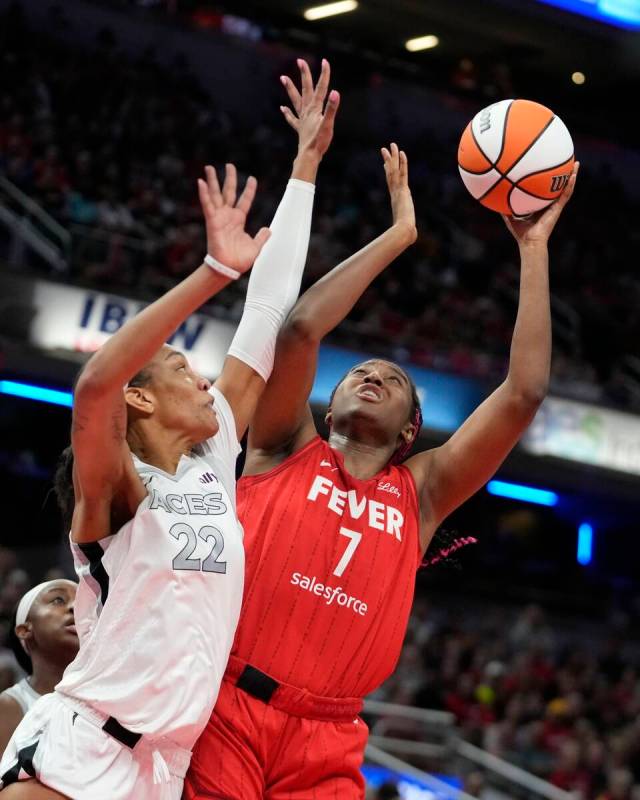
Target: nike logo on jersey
(380,516)
(325,463)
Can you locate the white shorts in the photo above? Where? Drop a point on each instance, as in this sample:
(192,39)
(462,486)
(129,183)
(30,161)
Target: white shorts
(61,743)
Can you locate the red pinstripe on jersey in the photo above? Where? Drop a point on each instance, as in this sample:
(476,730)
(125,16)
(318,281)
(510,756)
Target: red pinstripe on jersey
(330,572)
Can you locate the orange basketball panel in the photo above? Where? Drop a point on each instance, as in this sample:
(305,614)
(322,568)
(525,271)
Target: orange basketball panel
(550,182)
(525,122)
(470,157)
(498,198)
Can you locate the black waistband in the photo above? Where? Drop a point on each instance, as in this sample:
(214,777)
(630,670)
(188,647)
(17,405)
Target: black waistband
(257,684)
(124,736)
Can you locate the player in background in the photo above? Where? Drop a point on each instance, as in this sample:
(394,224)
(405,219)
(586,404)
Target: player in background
(334,531)
(44,640)
(155,535)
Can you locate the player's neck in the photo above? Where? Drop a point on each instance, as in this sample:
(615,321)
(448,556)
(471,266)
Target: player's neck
(361,459)
(160,447)
(46,675)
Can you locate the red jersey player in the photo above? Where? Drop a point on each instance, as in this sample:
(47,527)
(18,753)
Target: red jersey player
(334,531)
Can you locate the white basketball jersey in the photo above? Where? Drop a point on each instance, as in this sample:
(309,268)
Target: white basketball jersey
(158,602)
(23,693)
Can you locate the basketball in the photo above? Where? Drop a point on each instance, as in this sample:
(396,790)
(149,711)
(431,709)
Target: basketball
(515,157)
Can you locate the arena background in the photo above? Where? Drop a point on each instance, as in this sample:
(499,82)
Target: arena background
(526,657)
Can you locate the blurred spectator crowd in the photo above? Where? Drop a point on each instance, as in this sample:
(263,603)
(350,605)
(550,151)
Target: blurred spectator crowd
(111,149)
(557,697)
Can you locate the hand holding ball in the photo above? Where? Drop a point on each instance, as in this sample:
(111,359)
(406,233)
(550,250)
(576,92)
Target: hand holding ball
(516,157)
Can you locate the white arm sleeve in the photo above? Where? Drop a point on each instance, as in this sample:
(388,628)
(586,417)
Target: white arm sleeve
(275,279)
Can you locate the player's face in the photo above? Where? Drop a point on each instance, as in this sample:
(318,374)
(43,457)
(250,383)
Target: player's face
(181,397)
(378,390)
(52,626)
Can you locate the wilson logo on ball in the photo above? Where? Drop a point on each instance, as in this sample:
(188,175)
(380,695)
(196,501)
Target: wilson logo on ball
(515,157)
(558,182)
(485,120)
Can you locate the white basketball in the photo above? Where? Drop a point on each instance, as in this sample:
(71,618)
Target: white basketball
(516,157)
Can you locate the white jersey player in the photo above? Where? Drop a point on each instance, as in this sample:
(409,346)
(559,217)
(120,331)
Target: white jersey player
(157,543)
(44,640)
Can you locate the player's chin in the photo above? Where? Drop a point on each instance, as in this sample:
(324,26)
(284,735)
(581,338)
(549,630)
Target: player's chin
(377,409)
(209,426)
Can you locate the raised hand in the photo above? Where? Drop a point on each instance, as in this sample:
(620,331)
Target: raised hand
(396,168)
(225,219)
(311,118)
(537,228)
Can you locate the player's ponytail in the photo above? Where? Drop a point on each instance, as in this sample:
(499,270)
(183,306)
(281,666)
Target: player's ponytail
(63,476)
(63,487)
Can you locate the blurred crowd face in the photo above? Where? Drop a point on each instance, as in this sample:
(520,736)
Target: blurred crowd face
(50,627)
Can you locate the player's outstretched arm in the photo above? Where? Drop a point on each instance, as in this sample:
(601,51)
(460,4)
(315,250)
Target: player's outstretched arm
(449,474)
(283,422)
(99,414)
(275,280)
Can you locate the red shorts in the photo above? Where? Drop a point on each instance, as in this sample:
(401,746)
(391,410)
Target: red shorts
(252,750)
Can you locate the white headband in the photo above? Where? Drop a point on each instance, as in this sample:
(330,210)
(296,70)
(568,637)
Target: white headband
(24,607)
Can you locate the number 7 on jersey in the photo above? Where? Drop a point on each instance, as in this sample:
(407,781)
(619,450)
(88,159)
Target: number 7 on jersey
(354,538)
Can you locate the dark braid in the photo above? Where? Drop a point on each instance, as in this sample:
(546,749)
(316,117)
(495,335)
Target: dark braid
(63,487)
(63,476)
(403,451)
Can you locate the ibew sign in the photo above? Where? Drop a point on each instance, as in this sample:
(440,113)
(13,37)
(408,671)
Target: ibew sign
(108,314)
(71,318)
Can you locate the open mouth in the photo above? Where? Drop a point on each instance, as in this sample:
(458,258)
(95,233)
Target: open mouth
(369,392)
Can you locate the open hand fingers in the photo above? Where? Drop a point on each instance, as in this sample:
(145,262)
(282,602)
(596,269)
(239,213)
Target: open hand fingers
(229,189)
(292,91)
(208,209)
(323,83)
(306,79)
(246,198)
(331,110)
(551,214)
(391,158)
(555,209)
(509,223)
(213,187)
(568,189)
(404,167)
(291,118)
(262,237)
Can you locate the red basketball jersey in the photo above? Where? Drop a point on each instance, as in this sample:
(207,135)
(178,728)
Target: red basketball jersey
(330,572)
